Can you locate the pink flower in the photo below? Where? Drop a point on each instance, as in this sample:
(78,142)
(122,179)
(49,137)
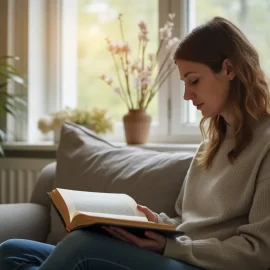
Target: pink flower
(169,25)
(136,66)
(172,42)
(111,46)
(106,78)
(137,82)
(109,80)
(171,16)
(145,78)
(143,67)
(142,25)
(143,37)
(165,33)
(126,48)
(102,77)
(117,90)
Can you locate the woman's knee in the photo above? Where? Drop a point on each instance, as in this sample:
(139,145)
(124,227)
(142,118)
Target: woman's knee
(80,238)
(84,240)
(9,247)
(78,234)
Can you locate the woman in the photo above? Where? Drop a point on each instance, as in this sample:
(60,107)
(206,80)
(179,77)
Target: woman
(223,206)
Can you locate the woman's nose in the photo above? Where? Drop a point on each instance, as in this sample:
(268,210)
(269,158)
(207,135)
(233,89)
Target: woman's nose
(188,94)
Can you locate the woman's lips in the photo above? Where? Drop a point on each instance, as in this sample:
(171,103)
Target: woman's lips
(200,106)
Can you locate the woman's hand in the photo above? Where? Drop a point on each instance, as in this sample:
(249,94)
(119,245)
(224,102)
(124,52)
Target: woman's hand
(155,242)
(151,216)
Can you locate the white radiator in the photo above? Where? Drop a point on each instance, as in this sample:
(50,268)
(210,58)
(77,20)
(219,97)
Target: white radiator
(18,177)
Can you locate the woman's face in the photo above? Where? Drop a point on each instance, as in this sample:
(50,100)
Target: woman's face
(208,91)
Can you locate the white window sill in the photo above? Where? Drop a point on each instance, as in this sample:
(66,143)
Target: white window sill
(51,146)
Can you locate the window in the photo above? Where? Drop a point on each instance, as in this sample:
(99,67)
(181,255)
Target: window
(251,16)
(69,26)
(77,55)
(97,19)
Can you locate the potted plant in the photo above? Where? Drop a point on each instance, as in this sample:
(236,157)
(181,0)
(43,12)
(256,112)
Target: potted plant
(96,119)
(140,77)
(8,102)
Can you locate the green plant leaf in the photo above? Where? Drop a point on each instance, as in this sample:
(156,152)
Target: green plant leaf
(2,85)
(7,95)
(12,76)
(2,153)
(2,135)
(8,110)
(6,66)
(6,69)
(20,101)
(9,57)
(8,102)
(12,101)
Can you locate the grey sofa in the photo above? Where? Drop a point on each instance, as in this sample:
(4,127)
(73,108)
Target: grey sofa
(87,162)
(29,220)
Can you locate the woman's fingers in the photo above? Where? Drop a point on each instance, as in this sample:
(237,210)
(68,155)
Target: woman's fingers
(131,237)
(141,242)
(155,242)
(155,236)
(116,234)
(143,208)
(151,216)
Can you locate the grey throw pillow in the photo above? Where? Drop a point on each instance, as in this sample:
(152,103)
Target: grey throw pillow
(87,162)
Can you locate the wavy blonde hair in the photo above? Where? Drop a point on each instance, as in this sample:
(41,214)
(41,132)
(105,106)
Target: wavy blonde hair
(249,98)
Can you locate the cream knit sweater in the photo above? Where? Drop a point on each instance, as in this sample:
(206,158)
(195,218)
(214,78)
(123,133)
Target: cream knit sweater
(225,211)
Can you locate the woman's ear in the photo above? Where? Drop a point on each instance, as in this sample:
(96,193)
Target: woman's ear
(228,70)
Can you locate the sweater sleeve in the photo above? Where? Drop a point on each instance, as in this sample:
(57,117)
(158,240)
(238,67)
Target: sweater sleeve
(249,249)
(176,221)
(163,218)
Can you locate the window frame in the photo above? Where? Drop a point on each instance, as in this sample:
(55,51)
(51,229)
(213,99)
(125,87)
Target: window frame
(157,129)
(180,126)
(172,126)
(59,72)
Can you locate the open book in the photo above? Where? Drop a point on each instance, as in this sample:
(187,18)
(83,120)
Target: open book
(81,209)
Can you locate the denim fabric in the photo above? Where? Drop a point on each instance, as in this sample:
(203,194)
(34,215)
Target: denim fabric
(82,250)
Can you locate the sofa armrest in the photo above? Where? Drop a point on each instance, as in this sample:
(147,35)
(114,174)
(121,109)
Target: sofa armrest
(44,185)
(24,220)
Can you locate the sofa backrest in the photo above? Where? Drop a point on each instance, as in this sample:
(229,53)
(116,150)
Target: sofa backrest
(87,162)
(44,185)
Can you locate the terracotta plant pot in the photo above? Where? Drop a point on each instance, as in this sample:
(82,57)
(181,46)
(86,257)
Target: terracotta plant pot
(137,126)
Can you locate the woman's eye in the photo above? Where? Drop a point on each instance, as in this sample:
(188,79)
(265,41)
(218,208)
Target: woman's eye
(195,82)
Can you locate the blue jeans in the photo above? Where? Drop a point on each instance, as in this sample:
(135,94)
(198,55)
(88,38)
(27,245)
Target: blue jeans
(81,250)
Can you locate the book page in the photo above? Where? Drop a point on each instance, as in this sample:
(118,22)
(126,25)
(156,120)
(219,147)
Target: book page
(114,216)
(95,202)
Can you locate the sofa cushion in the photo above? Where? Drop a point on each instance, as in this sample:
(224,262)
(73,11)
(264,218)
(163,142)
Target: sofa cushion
(88,162)
(25,221)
